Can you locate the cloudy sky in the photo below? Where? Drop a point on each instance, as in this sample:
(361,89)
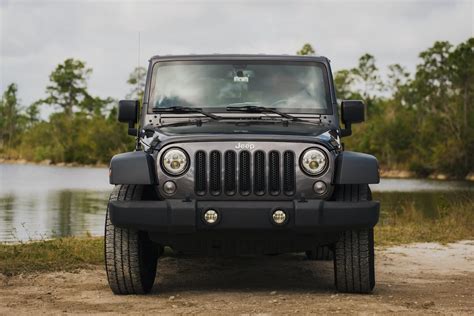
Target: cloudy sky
(37,35)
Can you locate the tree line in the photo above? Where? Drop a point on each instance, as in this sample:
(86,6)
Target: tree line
(83,128)
(421,122)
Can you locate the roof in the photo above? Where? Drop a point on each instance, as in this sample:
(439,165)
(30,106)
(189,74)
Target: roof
(240,57)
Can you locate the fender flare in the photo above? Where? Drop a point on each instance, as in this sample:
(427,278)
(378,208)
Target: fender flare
(137,167)
(356,168)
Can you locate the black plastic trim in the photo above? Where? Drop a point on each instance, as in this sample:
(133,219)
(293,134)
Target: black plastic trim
(356,168)
(137,167)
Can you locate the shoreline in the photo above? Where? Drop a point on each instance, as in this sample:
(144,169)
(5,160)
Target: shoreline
(384,173)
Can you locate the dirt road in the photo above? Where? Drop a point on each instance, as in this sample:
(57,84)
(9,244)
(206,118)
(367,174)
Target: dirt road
(414,279)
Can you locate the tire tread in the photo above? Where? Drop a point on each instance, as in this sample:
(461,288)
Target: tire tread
(354,251)
(130,257)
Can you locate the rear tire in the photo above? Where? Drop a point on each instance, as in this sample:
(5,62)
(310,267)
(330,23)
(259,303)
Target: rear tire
(130,256)
(354,251)
(322,253)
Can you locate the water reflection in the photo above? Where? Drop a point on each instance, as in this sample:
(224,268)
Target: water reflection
(43,202)
(60,213)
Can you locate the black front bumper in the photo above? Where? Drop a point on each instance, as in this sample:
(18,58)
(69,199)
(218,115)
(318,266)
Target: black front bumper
(178,216)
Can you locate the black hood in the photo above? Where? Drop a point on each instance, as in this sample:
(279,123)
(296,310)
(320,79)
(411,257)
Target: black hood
(246,127)
(275,129)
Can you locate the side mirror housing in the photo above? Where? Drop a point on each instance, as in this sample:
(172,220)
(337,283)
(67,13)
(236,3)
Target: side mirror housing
(352,111)
(128,113)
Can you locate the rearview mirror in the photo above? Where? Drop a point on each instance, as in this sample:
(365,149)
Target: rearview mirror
(352,111)
(128,113)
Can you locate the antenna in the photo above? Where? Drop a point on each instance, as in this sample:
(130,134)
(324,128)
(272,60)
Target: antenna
(138,145)
(138,63)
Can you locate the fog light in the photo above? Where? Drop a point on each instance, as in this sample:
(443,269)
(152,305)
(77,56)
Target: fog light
(319,187)
(169,187)
(279,217)
(211,216)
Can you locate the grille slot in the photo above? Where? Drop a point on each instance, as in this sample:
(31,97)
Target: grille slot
(215,172)
(274,173)
(230,168)
(244,173)
(259,173)
(289,172)
(200,173)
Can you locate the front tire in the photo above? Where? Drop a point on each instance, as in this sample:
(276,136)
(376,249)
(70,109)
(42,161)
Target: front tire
(130,256)
(354,251)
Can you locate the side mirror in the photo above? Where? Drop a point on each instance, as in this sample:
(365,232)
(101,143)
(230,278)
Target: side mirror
(128,113)
(352,111)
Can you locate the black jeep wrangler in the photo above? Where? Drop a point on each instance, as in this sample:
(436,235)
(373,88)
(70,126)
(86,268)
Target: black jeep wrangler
(240,154)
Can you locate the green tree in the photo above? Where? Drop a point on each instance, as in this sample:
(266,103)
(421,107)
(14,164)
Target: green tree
(95,105)
(439,116)
(462,66)
(367,75)
(81,132)
(344,80)
(68,88)
(398,76)
(462,61)
(32,114)
(10,115)
(136,80)
(307,49)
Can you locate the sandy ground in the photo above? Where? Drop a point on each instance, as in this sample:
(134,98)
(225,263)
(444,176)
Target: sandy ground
(413,279)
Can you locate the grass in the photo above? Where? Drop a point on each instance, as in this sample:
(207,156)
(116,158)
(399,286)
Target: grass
(455,221)
(67,254)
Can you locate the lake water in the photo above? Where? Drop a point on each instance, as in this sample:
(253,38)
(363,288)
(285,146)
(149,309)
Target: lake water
(38,202)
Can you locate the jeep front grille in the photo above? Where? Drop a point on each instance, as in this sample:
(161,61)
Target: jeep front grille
(244,172)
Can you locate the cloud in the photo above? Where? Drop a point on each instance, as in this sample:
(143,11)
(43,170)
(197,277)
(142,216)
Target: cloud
(37,35)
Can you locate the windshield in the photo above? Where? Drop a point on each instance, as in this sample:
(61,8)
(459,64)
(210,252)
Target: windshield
(292,87)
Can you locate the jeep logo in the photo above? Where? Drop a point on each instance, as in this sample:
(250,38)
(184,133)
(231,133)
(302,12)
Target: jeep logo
(247,146)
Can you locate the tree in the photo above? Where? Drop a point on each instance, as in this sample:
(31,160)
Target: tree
(307,49)
(95,105)
(137,82)
(432,78)
(68,86)
(32,113)
(343,80)
(398,76)
(10,113)
(367,74)
(462,65)
(68,89)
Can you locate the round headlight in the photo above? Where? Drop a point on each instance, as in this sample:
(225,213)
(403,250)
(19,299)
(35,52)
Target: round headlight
(175,161)
(314,161)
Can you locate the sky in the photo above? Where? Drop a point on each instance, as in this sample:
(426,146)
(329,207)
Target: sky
(37,35)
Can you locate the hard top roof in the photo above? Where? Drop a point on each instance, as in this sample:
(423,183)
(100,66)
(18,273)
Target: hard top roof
(239,57)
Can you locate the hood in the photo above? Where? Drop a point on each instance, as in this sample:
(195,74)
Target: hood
(277,130)
(247,127)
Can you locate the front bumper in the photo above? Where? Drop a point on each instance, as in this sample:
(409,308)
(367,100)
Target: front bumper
(178,216)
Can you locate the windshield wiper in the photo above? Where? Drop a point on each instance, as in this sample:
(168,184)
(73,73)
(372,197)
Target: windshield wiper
(260,109)
(185,109)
